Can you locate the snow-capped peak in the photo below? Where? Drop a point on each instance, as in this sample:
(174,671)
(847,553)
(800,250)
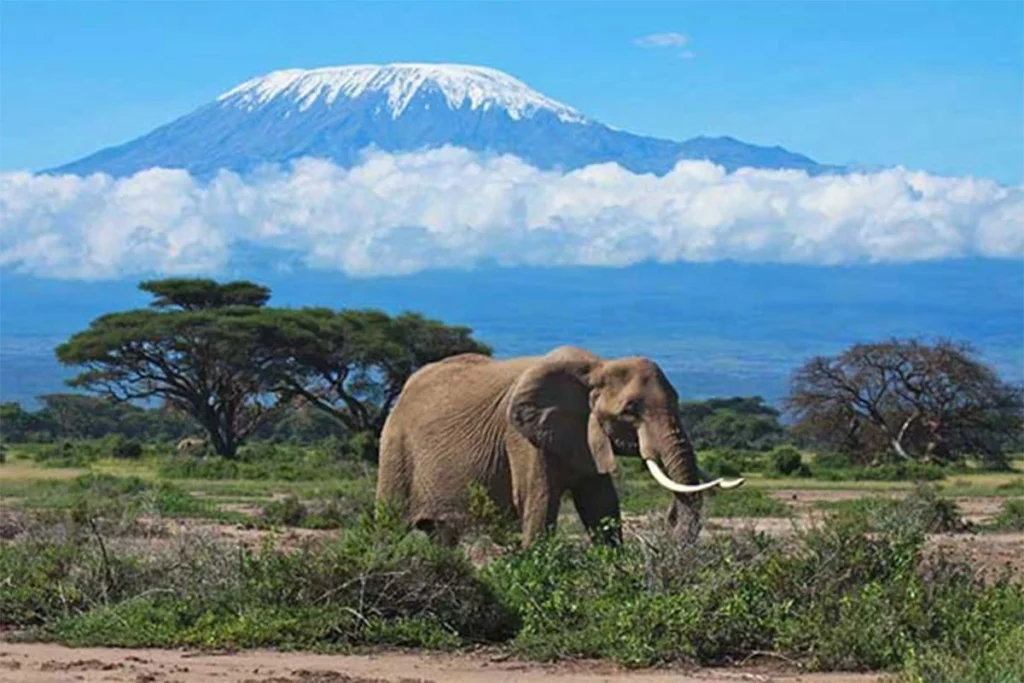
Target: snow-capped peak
(483,87)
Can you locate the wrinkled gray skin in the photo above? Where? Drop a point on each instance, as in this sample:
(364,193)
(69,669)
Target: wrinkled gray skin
(528,429)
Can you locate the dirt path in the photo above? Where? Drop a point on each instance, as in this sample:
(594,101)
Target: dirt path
(39,663)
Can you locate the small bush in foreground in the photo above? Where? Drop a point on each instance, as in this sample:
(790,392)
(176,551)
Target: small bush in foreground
(1000,661)
(851,594)
(375,584)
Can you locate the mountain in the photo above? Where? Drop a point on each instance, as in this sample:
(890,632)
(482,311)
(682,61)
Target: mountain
(337,112)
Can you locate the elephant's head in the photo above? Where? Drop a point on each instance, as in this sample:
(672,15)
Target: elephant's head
(585,410)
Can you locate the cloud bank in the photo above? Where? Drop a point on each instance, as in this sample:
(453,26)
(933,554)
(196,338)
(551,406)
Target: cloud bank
(401,213)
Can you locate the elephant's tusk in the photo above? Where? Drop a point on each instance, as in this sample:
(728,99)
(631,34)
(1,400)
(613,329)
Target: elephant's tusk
(663,479)
(724,484)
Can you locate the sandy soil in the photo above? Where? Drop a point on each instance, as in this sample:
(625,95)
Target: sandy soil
(43,663)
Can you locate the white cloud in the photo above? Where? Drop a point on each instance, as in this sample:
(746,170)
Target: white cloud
(673,41)
(662,40)
(450,207)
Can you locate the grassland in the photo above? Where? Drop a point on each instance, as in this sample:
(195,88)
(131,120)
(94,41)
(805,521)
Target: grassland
(281,551)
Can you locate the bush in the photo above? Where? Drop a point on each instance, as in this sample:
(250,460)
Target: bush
(67,454)
(840,600)
(785,461)
(375,584)
(729,462)
(999,661)
(854,593)
(922,510)
(124,448)
(745,502)
(1010,517)
(901,471)
(266,461)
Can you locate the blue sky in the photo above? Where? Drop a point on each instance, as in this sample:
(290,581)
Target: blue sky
(937,86)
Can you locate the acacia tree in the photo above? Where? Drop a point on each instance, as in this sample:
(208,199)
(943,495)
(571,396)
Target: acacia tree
(197,347)
(922,402)
(352,364)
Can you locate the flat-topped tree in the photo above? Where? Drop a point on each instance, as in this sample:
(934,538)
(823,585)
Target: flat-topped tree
(197,347)
(352,364)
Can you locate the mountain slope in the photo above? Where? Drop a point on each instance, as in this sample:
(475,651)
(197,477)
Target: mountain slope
(337,112)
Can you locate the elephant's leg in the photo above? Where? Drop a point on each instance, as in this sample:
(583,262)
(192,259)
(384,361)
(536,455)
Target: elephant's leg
(598,506)
(540,513)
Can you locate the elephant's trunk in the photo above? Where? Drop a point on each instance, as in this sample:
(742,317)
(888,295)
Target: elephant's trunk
(668,453)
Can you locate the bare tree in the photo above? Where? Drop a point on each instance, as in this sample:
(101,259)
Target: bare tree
(923,402)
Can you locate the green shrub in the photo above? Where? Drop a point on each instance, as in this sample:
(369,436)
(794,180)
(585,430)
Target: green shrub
(67,454)
(840,600)
(784,461)
(745,502)
(716,464)
(289,511)
(124,448)
(901,471)
(999,661)
(923,510)
(855,593)
(1010,517)
(375,584)
(265,461)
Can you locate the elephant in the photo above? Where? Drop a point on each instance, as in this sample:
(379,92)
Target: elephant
(528,430)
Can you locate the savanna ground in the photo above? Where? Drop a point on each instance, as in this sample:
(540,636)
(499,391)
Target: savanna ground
(162,568)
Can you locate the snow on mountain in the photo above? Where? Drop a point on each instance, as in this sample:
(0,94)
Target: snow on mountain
(484,88)
(337,112)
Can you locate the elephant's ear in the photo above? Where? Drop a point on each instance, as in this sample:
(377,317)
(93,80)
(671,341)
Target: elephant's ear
(550,406)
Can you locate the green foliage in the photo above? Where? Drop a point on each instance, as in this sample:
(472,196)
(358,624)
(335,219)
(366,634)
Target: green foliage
(745,502)
(923,508)
(199,348)
(1010,517)
(262,461)
(841,600)
(732,423)
(76,417)
(785,461)
(375,584)
(125,448)
(728,462)
(998,661)
(339,510)
(352,364)
(833,597)
(216,353)
(121,497)
(898,471)
(484,516)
